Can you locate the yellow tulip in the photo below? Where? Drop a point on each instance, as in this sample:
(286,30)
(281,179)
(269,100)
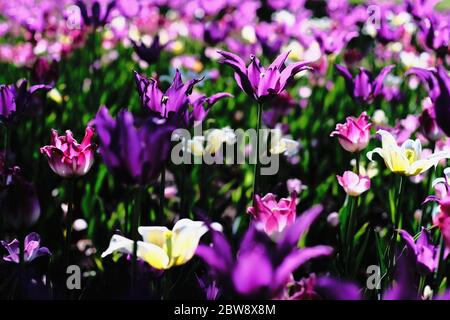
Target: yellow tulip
(405,159)
(163,248)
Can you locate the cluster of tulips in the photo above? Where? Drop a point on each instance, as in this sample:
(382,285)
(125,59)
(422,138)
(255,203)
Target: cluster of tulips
(361,185)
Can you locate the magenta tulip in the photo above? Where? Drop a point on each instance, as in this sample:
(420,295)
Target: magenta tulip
(354,184)
(274,215)
(66,157)
(354,134)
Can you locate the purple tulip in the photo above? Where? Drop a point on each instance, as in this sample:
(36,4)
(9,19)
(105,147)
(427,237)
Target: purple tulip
(215,32)
(332,42)
(152,53)
(428,125)
(173,102)
(330,288)
(134,152)
(386,33)
(15,100)
(419,9)
(98,15)
(442,103)
(44,72)
(269,36)
(209,287)
(405,286)
(259,82)
(19,202)
(279,107)
(363,87)
(427,254)
(275,262)
(438,82)
(201,105)
(436,33)
(32,249)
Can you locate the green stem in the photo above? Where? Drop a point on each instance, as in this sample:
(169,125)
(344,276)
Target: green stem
(421,285)
(358,161)
(350,231)
(162,187)
(441,265)
(256,171)
(397,215)
(396,223)
(134,227)
(69,219)
(182,191)
(6,143)
(127,214)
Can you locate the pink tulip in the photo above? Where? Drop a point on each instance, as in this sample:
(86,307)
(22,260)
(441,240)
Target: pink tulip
(274,216)
(442,219)
(354,184)
(354,134)
(66,157)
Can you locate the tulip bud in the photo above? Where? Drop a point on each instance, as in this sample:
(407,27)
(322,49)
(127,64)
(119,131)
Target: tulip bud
(354,184)
(333,219)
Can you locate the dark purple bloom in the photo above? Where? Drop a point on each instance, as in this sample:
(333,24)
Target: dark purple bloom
(19,202)
(442,103)
(45,72)
(429,77)
(405,287)
(333,41)
(279,107)
(259,82)
(330,288)
(152,53)
(363,87)
(216,31)
(32,249)
(438,82)
(386,33)
(15,100)
(133,151)
(269,36)
(426,253)
(436,32)
(419,9)
(428,124)
(173,102)
(97,15)
(275,262)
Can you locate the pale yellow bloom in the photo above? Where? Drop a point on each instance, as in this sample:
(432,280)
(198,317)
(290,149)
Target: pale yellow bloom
(163,248)
(195,146)
(217,137)
(405,159)
(55,95)
(280,144)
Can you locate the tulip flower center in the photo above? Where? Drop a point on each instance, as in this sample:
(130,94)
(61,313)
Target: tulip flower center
(164,99)
(410,155)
